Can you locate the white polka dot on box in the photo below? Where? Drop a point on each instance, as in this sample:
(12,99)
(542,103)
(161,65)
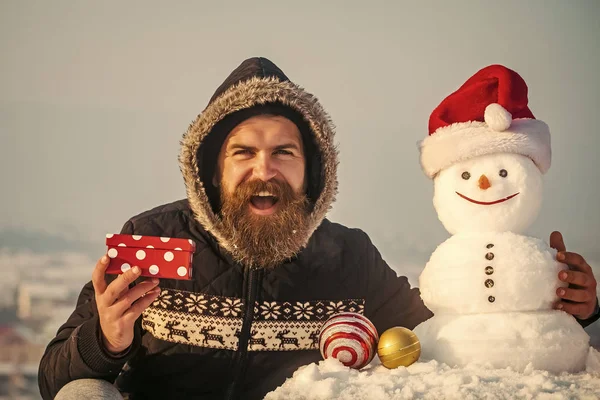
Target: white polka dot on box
(157,257)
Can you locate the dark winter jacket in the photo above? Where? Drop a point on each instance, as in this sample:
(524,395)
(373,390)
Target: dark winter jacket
(234,331)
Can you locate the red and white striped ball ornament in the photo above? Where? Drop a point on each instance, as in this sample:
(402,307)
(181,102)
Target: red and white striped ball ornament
(350,337)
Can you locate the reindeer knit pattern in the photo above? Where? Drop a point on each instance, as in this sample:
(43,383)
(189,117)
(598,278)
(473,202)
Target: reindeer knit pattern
(256,341)
(174,331)
(215,321)
(285,339)
(210,336)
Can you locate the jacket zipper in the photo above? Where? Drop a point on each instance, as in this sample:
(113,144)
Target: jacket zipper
(241,355)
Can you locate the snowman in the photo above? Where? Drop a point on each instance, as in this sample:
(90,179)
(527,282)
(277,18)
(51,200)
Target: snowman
(491,287)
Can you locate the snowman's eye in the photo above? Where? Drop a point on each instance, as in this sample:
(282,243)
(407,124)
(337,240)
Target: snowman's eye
(503,173)
(465,175)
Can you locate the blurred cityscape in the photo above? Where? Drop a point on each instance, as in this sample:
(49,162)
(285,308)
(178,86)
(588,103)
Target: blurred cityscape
(38,292)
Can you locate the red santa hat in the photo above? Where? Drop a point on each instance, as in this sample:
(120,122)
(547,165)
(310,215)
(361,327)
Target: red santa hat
(487,114)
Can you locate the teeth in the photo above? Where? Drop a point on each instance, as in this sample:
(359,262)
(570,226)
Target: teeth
(264,193)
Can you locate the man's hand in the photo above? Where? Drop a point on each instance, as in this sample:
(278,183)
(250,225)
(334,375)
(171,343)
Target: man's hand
(579,299)
(119,306)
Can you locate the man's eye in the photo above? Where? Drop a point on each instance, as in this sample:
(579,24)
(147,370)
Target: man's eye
(284,152)
(241,152)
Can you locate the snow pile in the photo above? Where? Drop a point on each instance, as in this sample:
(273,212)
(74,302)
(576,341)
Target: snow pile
(331,380)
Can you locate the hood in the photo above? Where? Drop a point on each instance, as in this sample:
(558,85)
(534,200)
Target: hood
(256,82)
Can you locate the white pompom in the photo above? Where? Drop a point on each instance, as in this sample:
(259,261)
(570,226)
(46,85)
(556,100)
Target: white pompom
(497,117)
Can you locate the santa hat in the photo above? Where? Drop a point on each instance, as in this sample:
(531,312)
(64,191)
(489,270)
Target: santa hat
(487,114)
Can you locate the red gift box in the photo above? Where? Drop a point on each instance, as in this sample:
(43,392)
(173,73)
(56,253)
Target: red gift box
(157,257)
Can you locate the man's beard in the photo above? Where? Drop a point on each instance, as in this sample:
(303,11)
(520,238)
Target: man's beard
(265,241)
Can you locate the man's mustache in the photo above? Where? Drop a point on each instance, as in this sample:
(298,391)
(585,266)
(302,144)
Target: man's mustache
(280,189)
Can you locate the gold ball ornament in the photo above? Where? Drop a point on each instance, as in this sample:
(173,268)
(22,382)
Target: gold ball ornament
(398,346)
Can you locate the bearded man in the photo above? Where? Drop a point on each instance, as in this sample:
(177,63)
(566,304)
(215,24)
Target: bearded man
(260,169)
(259,165)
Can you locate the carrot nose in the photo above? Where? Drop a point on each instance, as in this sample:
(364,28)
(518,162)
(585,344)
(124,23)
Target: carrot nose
(484,182)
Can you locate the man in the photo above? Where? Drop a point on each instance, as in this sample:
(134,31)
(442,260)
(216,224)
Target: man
(260,166)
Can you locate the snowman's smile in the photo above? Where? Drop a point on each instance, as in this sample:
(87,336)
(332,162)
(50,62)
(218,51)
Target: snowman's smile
(487,203)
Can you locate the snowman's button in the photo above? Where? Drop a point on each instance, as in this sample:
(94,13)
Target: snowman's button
(489,246)
(491,299)
(489,256)
(489,283)
(489,270)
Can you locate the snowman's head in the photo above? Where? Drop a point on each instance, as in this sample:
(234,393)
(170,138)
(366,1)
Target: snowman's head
(490,193)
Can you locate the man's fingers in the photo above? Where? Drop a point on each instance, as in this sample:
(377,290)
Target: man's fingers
(575,278)
(98,275)
(120,284)
(557,242)
(575,295)
(573,260)
(132,295)
(576,309)
(139,306)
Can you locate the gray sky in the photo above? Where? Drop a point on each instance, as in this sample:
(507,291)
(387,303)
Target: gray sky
(94,97)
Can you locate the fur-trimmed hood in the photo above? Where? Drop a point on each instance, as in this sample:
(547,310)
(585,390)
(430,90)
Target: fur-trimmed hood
(255,82)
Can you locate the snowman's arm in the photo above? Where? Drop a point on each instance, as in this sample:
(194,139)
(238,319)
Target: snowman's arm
(390,300)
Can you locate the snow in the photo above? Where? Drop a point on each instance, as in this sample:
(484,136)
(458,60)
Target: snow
(329,379)
(551,340)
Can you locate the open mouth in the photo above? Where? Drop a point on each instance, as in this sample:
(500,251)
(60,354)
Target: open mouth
(487,203)
(263,202)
